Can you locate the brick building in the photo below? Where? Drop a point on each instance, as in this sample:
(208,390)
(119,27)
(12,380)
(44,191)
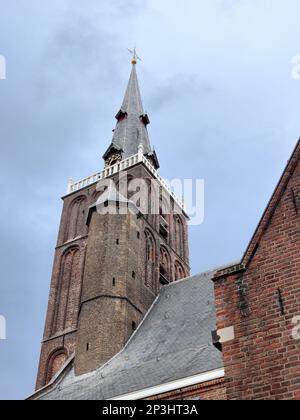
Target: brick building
(125,320)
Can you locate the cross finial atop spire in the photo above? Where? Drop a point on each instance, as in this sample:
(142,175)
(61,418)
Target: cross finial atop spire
(135,57)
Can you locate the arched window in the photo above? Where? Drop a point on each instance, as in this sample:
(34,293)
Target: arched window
(164,215)
(150,254)
(165,266)
(96,195)
(67,292)
(165,206)
(55,362)
(179,236)
(76,219)
(179,271)
(150,204)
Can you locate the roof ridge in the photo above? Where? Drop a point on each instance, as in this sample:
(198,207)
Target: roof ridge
(272,204)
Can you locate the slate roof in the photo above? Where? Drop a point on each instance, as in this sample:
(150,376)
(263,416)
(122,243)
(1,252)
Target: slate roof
(131,131)
(173,342)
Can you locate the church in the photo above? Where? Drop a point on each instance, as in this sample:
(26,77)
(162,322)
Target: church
(125,319)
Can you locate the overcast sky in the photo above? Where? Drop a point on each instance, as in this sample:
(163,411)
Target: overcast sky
(216,83)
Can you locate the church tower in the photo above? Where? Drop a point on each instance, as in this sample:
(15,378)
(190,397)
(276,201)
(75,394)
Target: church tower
(123,234)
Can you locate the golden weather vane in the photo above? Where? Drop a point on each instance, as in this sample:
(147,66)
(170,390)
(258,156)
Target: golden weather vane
(135,57)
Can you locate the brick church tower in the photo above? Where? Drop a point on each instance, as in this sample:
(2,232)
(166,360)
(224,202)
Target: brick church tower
(114,249)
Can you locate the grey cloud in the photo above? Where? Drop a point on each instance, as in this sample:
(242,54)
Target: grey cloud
(222,106)
(175,89)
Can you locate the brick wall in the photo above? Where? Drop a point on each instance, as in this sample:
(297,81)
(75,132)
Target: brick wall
(65,297)
(66,284)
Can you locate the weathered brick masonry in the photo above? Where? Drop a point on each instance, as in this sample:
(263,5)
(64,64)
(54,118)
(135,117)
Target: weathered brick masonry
(126,247)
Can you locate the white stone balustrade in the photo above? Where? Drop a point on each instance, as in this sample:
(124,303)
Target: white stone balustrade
(118,167)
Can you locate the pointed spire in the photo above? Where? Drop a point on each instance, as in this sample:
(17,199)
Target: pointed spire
(132,102)
(131,129)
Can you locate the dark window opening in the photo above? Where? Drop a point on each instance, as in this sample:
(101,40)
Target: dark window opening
(114,282)
(163,276)
(163,227)
(87,346)
(163,280)
(133,275)
(133,326)
(117,241)
(138,235)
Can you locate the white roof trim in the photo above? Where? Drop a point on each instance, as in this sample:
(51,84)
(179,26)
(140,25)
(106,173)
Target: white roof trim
(171,386)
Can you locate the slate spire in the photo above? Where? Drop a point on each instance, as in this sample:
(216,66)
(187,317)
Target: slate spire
(130,134)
